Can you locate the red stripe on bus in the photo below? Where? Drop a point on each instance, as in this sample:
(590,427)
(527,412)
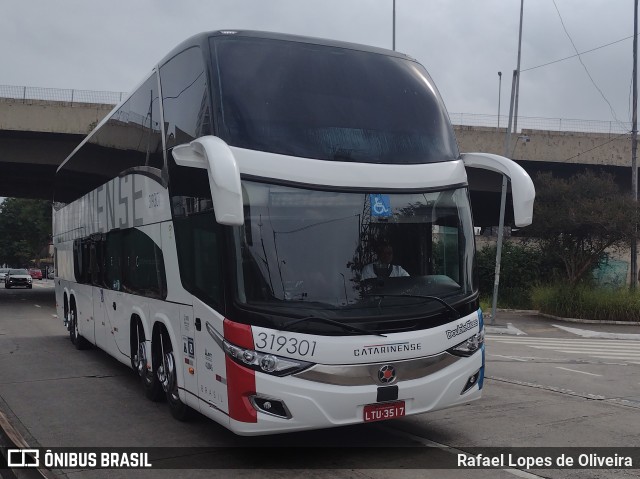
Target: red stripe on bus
(238,334)
(241,381)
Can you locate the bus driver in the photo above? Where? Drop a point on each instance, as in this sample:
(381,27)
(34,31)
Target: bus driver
(383,267)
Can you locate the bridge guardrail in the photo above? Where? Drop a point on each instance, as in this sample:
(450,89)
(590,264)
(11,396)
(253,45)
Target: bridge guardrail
(60,95)
(72,96)
(537,123)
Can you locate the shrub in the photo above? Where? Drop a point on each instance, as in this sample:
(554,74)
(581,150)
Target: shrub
(587,303)
(522,267)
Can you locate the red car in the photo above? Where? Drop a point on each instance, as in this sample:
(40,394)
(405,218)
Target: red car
(35,273)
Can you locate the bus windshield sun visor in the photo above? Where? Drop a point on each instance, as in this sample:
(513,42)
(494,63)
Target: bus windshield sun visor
(214,155)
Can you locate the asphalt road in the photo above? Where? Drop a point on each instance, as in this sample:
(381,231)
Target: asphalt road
(548,387)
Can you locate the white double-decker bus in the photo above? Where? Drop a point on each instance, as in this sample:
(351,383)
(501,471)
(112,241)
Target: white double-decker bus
(275,231)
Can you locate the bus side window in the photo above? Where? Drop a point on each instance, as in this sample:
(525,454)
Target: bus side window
(144,265)
(77,260)
(185,98)
(81,260)
(198,244)
(144,124)
(113,260)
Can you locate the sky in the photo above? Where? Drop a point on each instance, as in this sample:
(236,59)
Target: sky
(111,45)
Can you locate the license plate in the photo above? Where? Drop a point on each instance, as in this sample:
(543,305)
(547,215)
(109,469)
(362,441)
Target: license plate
(382,411)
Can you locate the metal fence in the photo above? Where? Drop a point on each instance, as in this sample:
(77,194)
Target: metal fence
(61,95)
(547,124)
(28,93)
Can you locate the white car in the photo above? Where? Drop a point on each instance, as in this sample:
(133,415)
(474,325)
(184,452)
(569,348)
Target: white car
(18,277)
(3,273)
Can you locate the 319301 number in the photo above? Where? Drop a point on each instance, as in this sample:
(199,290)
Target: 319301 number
(280,344)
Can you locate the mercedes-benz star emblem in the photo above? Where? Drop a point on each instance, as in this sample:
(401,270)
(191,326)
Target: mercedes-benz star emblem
(387,374)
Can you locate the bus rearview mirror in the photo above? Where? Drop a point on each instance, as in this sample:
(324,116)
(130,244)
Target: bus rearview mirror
(522,190)
(214,155)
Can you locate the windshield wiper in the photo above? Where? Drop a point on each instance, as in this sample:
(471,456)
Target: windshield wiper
(447,306)
(346,327)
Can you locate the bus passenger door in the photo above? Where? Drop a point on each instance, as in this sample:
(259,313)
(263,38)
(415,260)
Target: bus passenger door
(211,371)
(190,364)
(112,293)
(97,269)
(84,290)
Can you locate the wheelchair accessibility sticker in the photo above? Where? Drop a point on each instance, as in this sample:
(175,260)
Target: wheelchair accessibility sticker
(380,205)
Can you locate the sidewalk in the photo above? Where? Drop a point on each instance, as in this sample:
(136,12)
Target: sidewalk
(532,323)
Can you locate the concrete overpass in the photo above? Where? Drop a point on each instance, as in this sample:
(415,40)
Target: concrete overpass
(37,135)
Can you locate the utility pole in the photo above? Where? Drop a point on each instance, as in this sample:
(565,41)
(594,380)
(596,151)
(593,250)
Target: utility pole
(634,147)
(503,202)
(393,41)
(515,114)
(499,94)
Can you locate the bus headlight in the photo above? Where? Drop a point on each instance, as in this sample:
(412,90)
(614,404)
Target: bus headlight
(266,363)
(468,346)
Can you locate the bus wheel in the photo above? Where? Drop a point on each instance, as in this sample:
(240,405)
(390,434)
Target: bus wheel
(150,384)
(74,333)
(168,378)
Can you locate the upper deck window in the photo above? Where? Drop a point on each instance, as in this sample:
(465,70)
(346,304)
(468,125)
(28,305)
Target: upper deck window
(329,103)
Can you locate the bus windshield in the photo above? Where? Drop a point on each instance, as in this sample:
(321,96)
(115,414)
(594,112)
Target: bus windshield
(348,256)
(329,103)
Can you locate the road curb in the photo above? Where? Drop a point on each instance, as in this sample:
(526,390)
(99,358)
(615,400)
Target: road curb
(12,439)
(587,321)
(562,318)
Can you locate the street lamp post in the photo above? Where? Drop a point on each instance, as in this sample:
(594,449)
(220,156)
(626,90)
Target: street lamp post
(515,112)
(499,95)
(513,116)
(633,283)
(393,41)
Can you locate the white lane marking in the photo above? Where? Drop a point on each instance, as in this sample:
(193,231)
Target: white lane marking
(630,352)
(592,349)
(509,330)
(37,305)
(515,358)
(529,340)
(576,371)
(590,334)
(54,315)
(602,351)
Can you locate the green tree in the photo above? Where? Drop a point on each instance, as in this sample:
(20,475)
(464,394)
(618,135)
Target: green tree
(25,230)
(577,219)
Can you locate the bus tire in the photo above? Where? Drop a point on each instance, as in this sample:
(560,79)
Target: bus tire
(65,311)
(148,378)
(168,375)
(74,334)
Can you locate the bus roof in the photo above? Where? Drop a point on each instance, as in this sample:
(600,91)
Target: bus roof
(201,39)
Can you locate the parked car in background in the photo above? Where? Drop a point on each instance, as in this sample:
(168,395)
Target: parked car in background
(35,273)
(3,273)
(18,277)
